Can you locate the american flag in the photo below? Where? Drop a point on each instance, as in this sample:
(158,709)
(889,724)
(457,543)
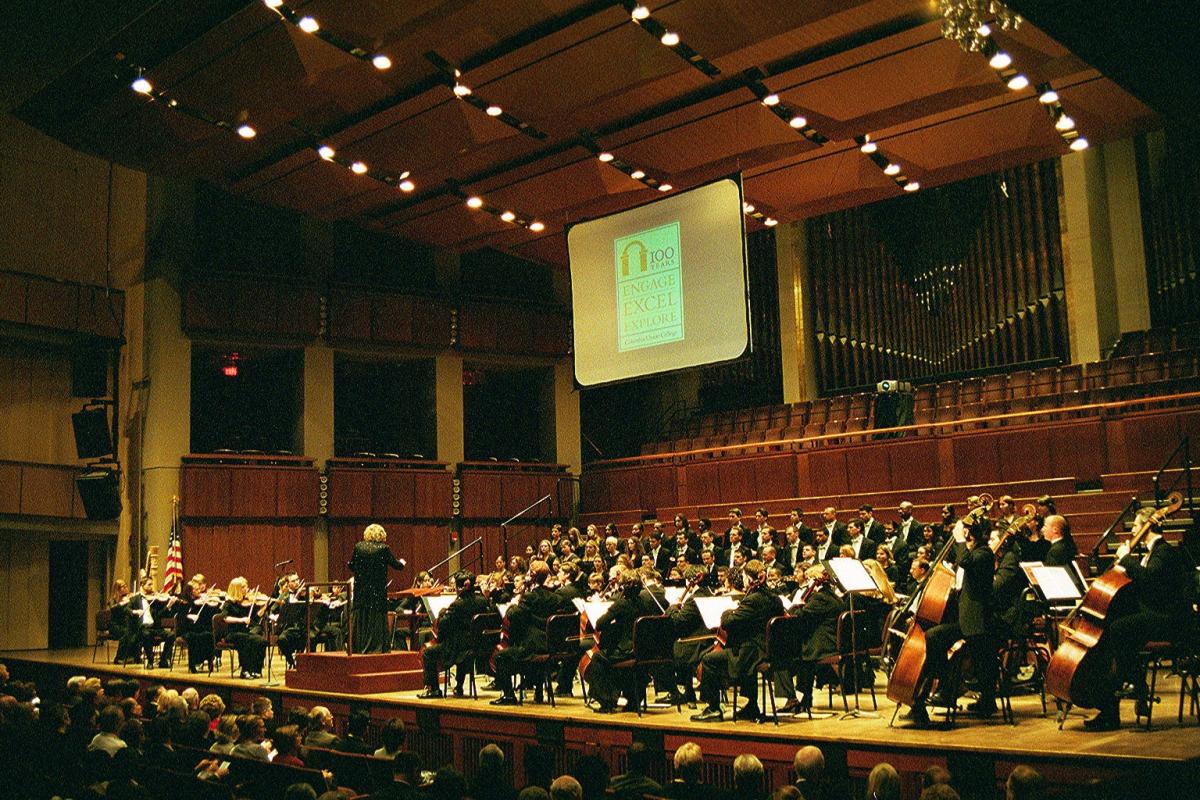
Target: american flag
(173,572)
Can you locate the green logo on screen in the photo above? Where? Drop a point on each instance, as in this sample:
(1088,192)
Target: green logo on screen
(649,288)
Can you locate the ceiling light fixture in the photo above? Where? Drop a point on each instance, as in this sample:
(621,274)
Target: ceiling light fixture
(358,168)
(326,152)
(474,201)
(798,121)
(381,62)
(891,169)
(670,38)
(536,226)
(494,110)
(637,174)
(605,157)
(1000,60)
(748,208)
(912,186)
(407,185)
(1080,143)
(508,216)
(770,222)
(1064,123)
(272,4)
(308,25)
(1018,82)
(246,131)
(1048,95)
(461,90)
(639,12)
(868,146)
(141,85)
(665,187)
(771,100)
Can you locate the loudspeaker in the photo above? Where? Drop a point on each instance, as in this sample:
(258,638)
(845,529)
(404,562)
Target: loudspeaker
(89,373)
(101,494)
(92,436)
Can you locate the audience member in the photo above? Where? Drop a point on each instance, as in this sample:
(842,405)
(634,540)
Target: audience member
(934,774)
(883,783)
(592,773)
(1024,783)
(320,729)
(748,777)
(356,731)
(635,782)
(939,791)
(286,739)
(808,765)
(689,765)
(107,739)
(299,791)
(251,732)
(448,784)
(492,781)
(566,788)
(392,739)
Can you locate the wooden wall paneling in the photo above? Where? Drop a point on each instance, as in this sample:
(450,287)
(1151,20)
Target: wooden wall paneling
(775,476)
(432,494)
(803,474)
(593,490)
(342,537)
(703,483)
(296,492)
(482,494)
(205,491)
(657,487)
(430,322)
(477,327)
(393,494)
(548,484)
(1189,425)
(195,541)
(947,468)
(976,459)
(827,471)
(518,490)
(252,492)
(430,544)
(253,546)
(47,491)
(623,489)
(868,468)
(298,311)
(391,318)
(913,464)
(1149,439)
(349,315)
(1078,450)
(350,493)
(1026,455)
(10,488)
(735,481)
(50,304)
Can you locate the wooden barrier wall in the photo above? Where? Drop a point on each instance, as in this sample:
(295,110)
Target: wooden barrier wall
(494,491)
(1084,449)
(411,499)
(242,518)
(39,490)
(61,305)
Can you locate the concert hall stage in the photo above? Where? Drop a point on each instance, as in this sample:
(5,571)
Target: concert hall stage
(1161,762)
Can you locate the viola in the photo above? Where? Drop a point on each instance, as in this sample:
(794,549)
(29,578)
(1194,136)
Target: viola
(1075,674)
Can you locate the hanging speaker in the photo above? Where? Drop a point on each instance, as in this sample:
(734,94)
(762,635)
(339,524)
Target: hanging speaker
(100,494)
(89,373)
(92,436)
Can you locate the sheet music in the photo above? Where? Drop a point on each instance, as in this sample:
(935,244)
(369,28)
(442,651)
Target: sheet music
(795,600)
(503,608)
(852,575)
(1056,584)
(595,610)
(673,594)
(435,604)
(711,609)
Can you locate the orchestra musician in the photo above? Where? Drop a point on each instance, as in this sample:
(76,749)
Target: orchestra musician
(692,639)
(121,622)
(526,621)
(1163,588)
(974,623)
(796,520)
(369,565)
(746,633)
(615,630)
(453,644)
(146,609)
(243,620)
(820,610)
(1061,549)
(196,622)
(290,619)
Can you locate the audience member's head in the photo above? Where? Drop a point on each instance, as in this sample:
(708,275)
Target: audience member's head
(286,740)
(809,765)
(250,728)
(933,775)
(533,793)
(883,783)
(939,791)
(689,761)
(1024,783)
(747,776)
(212,705)
(392,735)
(320,718)
(406,766)
(194,730)
(358,723)
(787,793)
(592,773)
(191,697)
(491,760)
(566,788)
(227,729)
(110,719)
(448,784)
(638,758)
(299,791)
(262,707)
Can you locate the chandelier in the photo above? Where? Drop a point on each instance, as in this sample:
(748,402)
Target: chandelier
(970,22)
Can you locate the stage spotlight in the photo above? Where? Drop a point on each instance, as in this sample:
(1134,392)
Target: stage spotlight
(358,168)
(474,202)
(670,38)
(381,62)
(308,25)
(246,131)
(536,227)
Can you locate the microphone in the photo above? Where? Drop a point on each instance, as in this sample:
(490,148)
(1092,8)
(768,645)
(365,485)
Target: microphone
(284,563)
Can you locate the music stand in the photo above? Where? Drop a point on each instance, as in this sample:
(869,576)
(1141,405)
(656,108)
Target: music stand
(852,577)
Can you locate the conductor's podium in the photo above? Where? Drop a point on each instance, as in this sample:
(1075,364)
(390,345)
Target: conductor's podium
(364,673)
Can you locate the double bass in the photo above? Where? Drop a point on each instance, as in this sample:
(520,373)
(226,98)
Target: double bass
(932,599)
(1077,673)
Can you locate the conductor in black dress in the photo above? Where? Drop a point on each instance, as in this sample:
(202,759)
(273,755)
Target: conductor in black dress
(369,566)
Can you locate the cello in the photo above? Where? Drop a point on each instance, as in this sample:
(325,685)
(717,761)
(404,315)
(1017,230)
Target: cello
(1076,674)
(931,601)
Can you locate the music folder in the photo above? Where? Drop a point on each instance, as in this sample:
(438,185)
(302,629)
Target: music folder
(711,609)
(1056,585)
(851,575)
(435,604)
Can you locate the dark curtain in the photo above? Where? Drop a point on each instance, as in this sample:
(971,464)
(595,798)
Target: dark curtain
(961,278)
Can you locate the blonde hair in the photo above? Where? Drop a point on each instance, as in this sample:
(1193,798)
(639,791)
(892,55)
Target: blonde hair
(374,533)
(237,589)
(119,589)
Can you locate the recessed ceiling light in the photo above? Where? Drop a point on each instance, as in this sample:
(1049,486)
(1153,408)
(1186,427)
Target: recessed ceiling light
(771,100)
(637,174)
(1000,60)
(665,187)
(798,121)
(508,216)
(639,12)
(246,131)
(1048,96)
(407,185)
(868,147)
(1064,123)
(474,202)
(461,90)
(770,222)
(1018,82)
(494,110)
(748,208)
(892,169)
(1079,144)
(358,168)
(912,186)
(670,38)
(536,226)
(308,25)
(141,85)
(326,152)
(605,157)
(381,62)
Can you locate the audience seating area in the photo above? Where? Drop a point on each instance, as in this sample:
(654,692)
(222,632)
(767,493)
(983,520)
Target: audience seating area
(1145,365)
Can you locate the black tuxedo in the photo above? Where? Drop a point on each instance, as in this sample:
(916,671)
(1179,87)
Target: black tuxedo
(727,556)
(912,534)
(691,555)
(1061,553)
(788,555)
(865,548)
(827,551)
(838,534)
(805,534)
(873,530)
(662,560)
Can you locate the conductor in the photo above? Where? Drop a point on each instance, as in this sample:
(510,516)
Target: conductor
(369,566)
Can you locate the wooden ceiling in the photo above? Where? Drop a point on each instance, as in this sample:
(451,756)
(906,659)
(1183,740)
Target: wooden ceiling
(877,67)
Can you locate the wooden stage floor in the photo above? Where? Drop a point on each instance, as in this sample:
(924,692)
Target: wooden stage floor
(1170,749)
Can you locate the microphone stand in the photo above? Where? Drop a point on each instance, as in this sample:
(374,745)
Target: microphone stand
(504,525)
(477,541)
(1094,556)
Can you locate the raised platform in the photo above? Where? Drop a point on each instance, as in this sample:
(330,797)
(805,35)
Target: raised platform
(1164,762)
(364,673)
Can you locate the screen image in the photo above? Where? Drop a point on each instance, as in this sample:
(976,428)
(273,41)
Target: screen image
(660,287)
